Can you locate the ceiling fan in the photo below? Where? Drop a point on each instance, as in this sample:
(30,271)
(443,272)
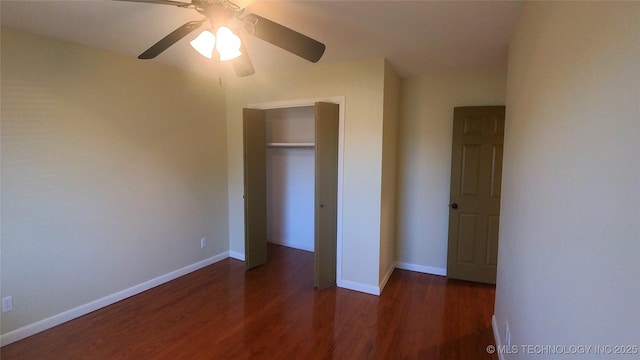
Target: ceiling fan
(224,14)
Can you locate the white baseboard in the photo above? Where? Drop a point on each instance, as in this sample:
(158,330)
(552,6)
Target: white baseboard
(294,245)
(236,255)
(421,268)
(386,277)
(377,290)
(496,337)
(81,310)
(352,285)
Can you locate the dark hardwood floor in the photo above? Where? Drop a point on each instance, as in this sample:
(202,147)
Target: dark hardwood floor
(273,312)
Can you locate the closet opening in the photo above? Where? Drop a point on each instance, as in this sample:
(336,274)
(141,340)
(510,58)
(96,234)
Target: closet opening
(290,157)
(291,184)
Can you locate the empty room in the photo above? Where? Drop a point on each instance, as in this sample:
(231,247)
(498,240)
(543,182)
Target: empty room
(214,179)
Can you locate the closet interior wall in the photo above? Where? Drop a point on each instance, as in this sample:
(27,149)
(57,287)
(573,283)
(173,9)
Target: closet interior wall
(290,134)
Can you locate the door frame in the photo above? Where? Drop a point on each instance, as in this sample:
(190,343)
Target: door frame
(340,100)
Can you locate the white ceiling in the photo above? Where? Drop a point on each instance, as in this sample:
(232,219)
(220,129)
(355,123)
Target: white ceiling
(417,37)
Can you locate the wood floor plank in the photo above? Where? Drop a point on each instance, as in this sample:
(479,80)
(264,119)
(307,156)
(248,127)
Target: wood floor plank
(273,312)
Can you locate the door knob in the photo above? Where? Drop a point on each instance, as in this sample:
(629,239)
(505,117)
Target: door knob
(321,205)
(454,206)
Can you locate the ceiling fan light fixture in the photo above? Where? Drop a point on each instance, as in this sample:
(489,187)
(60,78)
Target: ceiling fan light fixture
(228,44)
(204,43)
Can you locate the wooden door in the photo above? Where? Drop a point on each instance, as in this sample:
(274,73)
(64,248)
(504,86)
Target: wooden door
(255,188)
(476,177)
(326,193)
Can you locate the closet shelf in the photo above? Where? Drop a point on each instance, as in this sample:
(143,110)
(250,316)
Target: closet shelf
(291,144)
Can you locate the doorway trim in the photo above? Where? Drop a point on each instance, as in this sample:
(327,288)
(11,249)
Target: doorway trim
(340,100)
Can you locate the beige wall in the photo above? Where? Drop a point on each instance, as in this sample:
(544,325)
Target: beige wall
(568,268)
(424,160)
(112,171)
(361,83)
(391,112)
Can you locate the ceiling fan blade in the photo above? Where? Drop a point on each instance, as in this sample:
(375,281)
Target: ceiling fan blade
(242,65)
(283,37)
(170,39)
(163,2)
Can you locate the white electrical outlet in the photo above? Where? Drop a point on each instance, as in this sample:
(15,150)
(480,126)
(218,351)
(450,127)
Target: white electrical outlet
(507,335)
(203,242)
(7,304)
